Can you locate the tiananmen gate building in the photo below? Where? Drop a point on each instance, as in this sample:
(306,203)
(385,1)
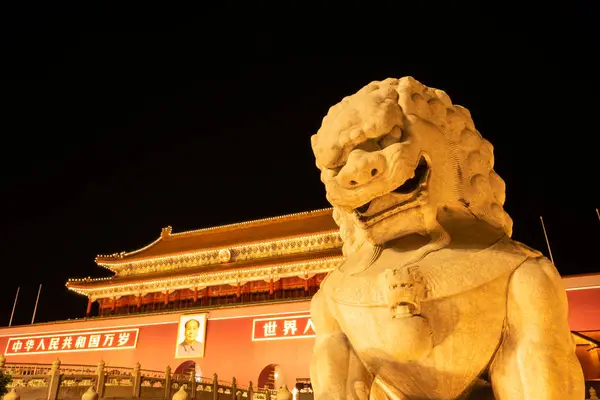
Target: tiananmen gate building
(232,300)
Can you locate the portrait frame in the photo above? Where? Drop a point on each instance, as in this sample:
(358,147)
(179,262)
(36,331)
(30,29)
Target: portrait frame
(181,350)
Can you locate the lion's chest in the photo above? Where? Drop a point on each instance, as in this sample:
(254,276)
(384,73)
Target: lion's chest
(444,349)
(362,310)
(375,334)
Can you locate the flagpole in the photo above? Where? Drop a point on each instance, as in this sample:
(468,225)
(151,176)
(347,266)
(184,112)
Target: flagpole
(547,242)
(14,306)
(36,303)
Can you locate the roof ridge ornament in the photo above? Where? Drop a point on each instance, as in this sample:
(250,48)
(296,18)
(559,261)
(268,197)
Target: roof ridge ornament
(166,232)
(224,255)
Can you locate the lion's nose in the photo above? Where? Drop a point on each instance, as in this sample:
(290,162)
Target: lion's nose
(361,168)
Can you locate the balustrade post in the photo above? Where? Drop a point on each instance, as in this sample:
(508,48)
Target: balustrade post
(100,379)
(54,381)
(250,391)
(215,387)
(137,380)
(233,389)
(168,383)
(193,384)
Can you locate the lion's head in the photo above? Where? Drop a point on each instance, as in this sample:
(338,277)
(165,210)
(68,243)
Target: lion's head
(397,151)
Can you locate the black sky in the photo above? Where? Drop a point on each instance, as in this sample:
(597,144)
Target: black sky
(117,122)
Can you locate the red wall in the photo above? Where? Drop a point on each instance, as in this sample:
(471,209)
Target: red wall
(584,309)
(229,349)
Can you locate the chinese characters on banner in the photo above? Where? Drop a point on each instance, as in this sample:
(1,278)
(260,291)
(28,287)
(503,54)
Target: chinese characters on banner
(292,327)
(76,341)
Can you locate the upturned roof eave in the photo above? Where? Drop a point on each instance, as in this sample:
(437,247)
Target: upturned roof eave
(98,283)
(138,255)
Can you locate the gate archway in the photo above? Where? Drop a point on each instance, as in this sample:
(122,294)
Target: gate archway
(186,368)
(271,377)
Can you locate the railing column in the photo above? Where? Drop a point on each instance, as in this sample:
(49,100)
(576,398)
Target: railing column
(54,381)
(250,391)
(193,383)
(233,389)
(137,380)
(215,387)
(168,383)
(100,379)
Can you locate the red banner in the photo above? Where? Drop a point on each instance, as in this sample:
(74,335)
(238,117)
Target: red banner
(277,328)
(70,342)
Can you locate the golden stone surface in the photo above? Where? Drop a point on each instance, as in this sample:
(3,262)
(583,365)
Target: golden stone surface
(434,300)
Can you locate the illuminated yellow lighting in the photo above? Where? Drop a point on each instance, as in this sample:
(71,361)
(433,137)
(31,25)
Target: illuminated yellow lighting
(140,324)
(74,333)
(88,279)
(213,228)
(290,314)
(205,279)
(309,324)
(583,288)
(84,330)
(328,240)
(268,219)
(298,241)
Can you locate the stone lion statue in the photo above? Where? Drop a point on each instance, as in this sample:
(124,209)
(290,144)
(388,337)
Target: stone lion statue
(434,300)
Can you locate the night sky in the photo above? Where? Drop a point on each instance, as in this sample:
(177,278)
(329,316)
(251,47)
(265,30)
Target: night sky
(116,123)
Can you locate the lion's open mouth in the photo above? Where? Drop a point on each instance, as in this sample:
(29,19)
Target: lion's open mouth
(398,197)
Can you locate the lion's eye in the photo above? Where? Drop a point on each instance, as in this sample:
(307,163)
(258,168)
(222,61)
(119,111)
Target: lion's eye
(369,145)
(387,140)
(336,170)
(393,137)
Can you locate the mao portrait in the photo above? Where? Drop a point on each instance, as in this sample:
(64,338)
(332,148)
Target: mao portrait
(191,336)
